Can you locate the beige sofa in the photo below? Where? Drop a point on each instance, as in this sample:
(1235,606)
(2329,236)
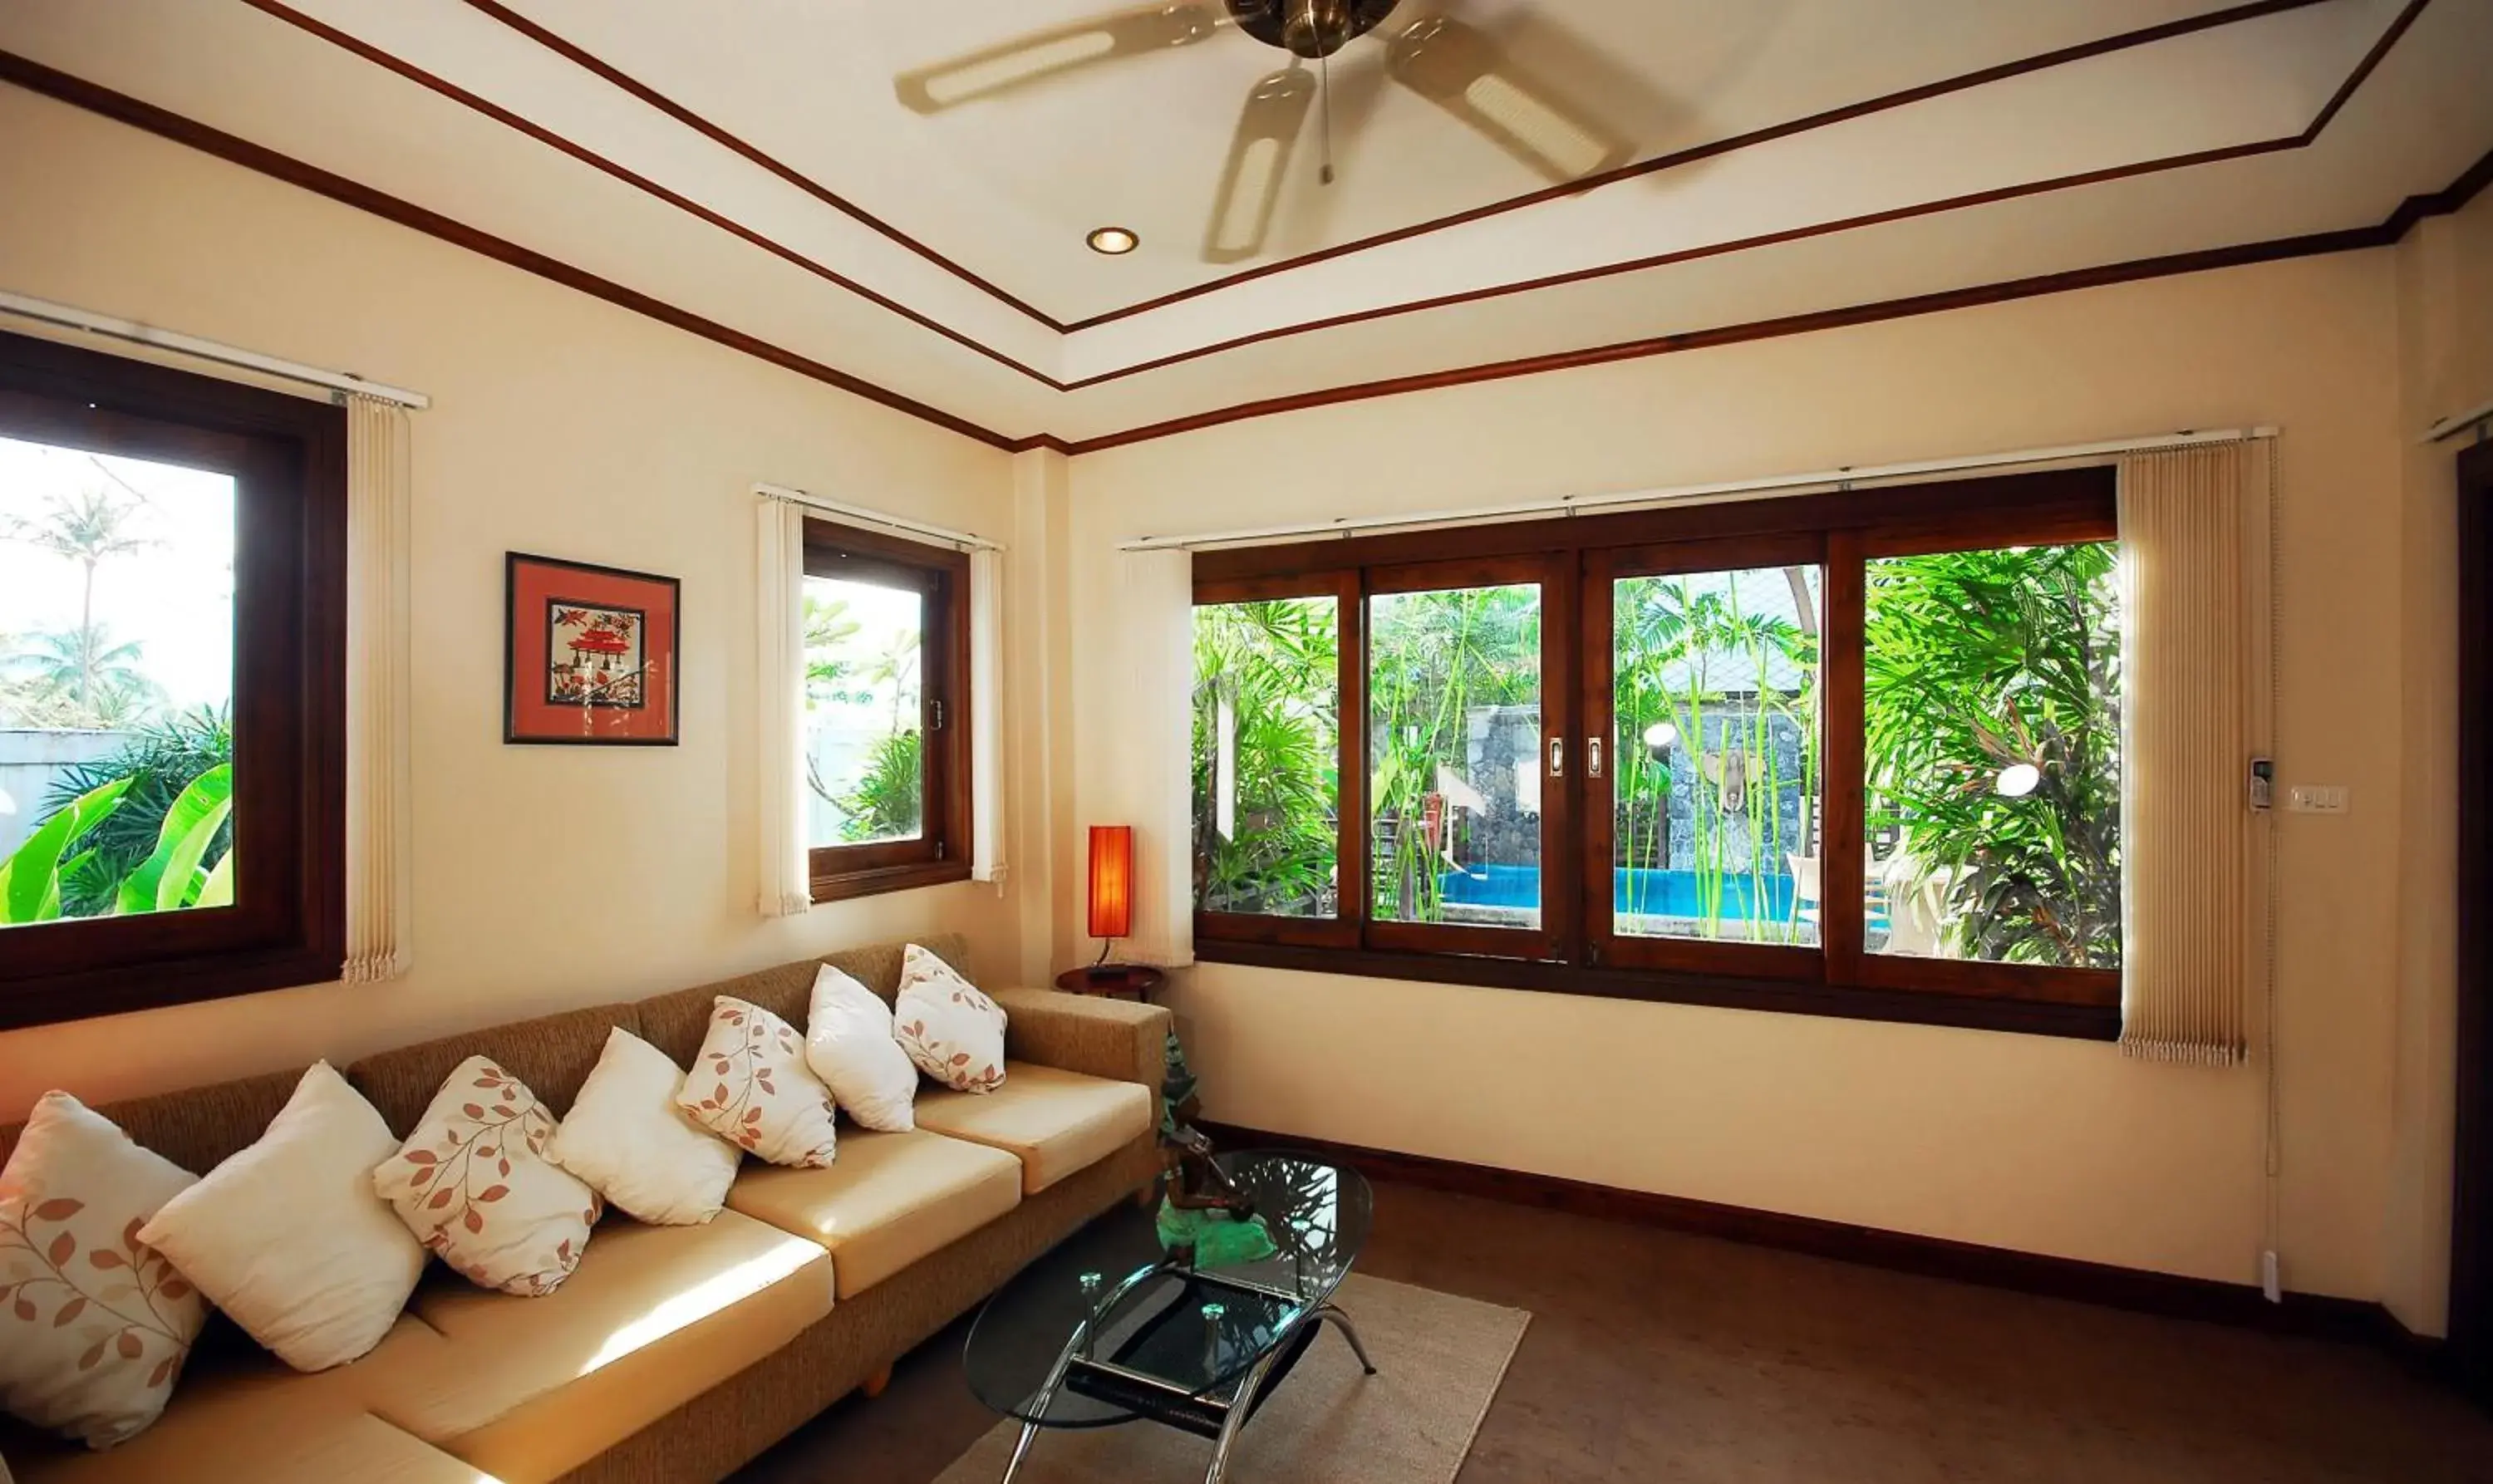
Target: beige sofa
(673,1354)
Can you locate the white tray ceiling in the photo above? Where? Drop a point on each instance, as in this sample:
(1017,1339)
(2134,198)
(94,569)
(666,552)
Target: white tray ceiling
(957,276)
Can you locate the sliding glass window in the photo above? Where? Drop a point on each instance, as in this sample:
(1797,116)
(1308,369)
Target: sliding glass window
(1268,755)
(1849,754)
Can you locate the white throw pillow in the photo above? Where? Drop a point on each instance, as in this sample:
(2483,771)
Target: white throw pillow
(473,1183)
(287,1236)
(629,1140)
(750,1085)
(849,1045)
(94,1323)
(954,1032)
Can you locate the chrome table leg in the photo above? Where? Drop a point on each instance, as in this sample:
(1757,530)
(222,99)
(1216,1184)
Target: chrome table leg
(1332,1313)
(1240,1405)
(1021,1450)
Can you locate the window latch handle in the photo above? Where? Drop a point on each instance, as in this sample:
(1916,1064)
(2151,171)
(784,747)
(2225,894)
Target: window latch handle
(934,717)
(1592,757)
(1557,757)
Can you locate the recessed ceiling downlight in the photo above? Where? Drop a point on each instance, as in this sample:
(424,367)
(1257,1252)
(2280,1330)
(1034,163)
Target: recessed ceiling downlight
(1114,241)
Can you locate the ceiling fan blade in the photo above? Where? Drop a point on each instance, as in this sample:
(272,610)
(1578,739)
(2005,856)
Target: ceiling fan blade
(1457,68)
(1259,161)
(1027,59)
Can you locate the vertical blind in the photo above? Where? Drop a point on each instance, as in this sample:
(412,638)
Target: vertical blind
(380,879)
(1154,751)
(2197,683)
(987,715)
(785,878)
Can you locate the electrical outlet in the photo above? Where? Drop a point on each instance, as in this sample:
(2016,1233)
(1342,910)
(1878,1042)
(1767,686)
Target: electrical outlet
(2316,799)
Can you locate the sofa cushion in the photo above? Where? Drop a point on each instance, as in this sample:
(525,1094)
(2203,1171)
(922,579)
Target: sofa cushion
(890,1200)
(1054,1122)
(677,1023)
(269,1448)
(259,1421)
(527,1390)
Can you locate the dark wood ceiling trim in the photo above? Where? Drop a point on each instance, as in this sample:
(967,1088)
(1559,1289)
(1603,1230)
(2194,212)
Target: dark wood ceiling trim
(1693,255)
(2233,14)
(2389,38)
(36,77)
(1754,330)
(121,107)
(1730,143)
(581,56)
(639,182)
(2446,201)
(2303,139)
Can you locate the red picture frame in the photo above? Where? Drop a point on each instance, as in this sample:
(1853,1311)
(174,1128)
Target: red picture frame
(591,653)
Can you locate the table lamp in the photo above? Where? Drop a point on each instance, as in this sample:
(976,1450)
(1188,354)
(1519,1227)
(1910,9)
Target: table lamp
(1112,885)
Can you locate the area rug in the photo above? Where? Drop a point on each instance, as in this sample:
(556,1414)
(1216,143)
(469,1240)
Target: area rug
(1439,1360)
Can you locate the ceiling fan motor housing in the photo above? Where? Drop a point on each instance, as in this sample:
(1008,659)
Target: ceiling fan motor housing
(1309,28)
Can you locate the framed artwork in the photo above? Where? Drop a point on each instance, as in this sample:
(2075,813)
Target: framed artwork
(590,654)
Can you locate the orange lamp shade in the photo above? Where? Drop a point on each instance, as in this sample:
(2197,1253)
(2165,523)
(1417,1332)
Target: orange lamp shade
(1112,880)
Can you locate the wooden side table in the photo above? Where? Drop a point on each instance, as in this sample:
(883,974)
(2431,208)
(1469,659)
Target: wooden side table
(1134,980)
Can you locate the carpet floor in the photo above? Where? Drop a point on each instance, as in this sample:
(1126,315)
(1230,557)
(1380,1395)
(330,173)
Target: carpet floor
(1655,1356)
(1327,1423)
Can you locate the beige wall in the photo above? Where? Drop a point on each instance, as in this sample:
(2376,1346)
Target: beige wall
(2051,1146)
(564,426)
(2446,365)
(545,877)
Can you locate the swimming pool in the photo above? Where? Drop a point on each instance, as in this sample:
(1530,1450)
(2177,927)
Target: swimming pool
(1637,891)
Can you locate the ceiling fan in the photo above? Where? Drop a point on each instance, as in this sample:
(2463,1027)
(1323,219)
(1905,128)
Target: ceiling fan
(1458,67)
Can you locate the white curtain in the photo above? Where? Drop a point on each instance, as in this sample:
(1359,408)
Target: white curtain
(786,883)
(987,715)
(2197,688)
(1152,747)
(380,837)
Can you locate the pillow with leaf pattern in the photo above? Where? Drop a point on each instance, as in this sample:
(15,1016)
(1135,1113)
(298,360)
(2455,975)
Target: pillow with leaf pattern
(954,1032)
(473,1183)
(751,1086)
(94,1323)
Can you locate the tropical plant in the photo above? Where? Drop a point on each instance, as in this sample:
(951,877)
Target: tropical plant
(175,873)
(80,679)
(89,528)
(895,665)
(165,759)
(1731,683)
(30,878)
(1270,668)
(889,799)
(189,865)
(1978,662)
(829,667)
(1435,659)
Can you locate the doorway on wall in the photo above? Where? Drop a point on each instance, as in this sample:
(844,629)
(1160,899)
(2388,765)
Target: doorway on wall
(2471,1286)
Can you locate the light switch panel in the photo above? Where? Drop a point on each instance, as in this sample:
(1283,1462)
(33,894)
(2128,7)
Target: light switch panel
(2316,799)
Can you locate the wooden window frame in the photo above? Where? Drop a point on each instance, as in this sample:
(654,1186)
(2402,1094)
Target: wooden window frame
(940,576)
(1575,952)
(287,457)
(1350,803)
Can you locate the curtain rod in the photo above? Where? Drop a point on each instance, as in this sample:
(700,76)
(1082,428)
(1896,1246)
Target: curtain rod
(74,318)
(2458,422)
(970,539)
(1571,504)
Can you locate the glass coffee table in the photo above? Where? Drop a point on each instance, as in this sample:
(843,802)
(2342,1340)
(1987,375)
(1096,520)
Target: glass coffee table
(1111,1328)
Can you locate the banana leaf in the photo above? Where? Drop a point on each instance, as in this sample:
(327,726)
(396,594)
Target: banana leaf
(219,887)
(164,880)
(30,880)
